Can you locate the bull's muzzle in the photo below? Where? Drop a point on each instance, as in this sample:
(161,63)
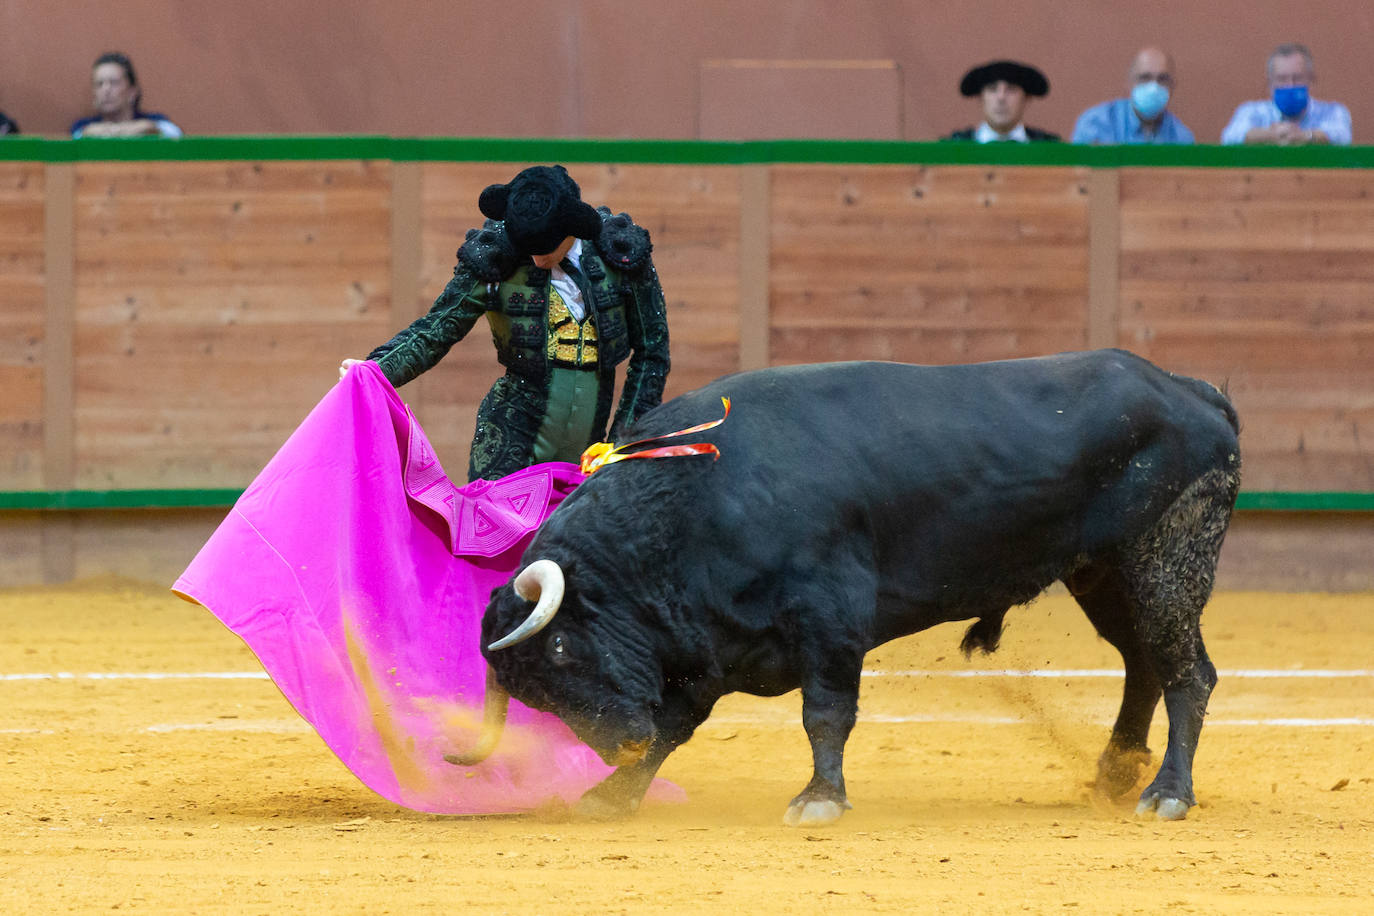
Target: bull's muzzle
(629,753)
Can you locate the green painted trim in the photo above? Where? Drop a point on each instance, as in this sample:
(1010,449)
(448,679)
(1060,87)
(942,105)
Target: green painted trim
(36,500)
(222,498)
(677,152)
(1274,501)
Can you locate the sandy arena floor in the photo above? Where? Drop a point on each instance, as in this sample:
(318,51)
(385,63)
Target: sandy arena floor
(204,795)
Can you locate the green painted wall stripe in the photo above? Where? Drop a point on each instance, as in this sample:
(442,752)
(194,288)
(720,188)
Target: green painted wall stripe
(118,499)
(676,152)
(42,500)
(1306,502)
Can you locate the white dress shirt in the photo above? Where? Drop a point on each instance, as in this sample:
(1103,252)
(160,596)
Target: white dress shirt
(566,286)
(985,134)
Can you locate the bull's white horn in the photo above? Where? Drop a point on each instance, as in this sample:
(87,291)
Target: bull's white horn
(541,581)
(493,724)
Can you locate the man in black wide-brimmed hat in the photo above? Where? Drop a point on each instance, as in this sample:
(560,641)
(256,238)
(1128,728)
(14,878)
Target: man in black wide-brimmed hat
(1005,87)
(570,292)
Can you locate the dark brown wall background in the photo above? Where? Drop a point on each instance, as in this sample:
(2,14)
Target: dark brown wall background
(630,68)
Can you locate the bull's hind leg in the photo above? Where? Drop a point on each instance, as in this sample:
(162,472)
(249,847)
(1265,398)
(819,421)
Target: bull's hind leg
(830,706)
(1168,575)
(831,663)
(1102,594)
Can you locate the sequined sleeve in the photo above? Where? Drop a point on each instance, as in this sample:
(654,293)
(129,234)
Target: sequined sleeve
(428,338)
(649,363)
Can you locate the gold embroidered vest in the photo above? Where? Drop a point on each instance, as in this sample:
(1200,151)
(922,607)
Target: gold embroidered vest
(571,345)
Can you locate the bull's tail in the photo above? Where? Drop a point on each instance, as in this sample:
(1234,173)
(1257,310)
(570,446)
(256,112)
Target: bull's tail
(984,634)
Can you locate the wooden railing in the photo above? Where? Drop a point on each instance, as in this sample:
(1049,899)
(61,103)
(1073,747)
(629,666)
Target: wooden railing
(172,309)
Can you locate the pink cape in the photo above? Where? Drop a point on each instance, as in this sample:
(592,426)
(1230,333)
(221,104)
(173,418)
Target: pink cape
(358,573)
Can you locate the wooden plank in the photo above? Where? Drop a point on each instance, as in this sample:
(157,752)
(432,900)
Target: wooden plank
(754,310)
(1246,266)
(23,317)
(1297,303)
(252,299)
(1250,346)
(1190,187)
(930,346)
(244,217)
(59,399)
(196,178)
(406,231)
(1257,226)
(205,262)
(1104,262)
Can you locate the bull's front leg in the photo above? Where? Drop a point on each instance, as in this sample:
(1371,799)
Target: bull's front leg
(620,794)
(830,705)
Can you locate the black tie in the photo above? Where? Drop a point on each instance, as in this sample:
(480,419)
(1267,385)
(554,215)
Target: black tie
(571,270)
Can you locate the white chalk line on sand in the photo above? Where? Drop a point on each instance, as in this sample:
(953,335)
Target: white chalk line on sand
(287,726)
(940,719)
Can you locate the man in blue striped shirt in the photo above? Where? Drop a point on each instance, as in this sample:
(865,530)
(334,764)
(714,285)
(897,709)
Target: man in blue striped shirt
(1142,117)
(1290,116)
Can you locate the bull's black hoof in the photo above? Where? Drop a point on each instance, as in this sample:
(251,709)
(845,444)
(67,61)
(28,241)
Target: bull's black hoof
(1118,771)
(594,806)
(813,813)
(818,804)
(1168,798)
(1165,809)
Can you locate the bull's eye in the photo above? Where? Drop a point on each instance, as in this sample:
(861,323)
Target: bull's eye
(558,649)
(557,645)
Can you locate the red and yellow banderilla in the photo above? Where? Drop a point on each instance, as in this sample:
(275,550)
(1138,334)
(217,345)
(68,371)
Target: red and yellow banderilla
(603,453)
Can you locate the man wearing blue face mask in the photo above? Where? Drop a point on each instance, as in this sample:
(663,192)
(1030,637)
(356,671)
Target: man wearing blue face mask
(1141,117)
(1290,116)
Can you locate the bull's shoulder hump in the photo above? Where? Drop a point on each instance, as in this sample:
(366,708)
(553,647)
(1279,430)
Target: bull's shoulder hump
(862,380)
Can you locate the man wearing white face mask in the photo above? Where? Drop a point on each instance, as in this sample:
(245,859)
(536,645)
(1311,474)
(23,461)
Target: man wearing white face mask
(1290,116)
(1143,116)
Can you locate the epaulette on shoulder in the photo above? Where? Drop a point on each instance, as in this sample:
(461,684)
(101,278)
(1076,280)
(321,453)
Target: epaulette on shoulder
(488,253)
(622,245)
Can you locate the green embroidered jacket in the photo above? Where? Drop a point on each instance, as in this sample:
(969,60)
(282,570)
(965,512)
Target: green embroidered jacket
(622,295)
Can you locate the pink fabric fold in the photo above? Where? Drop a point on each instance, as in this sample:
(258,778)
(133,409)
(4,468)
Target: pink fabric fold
(358,573)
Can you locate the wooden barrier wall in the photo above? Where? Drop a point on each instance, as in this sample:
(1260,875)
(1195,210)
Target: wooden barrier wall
(168,324)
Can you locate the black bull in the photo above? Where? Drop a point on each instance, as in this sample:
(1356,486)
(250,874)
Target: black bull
(854,503)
